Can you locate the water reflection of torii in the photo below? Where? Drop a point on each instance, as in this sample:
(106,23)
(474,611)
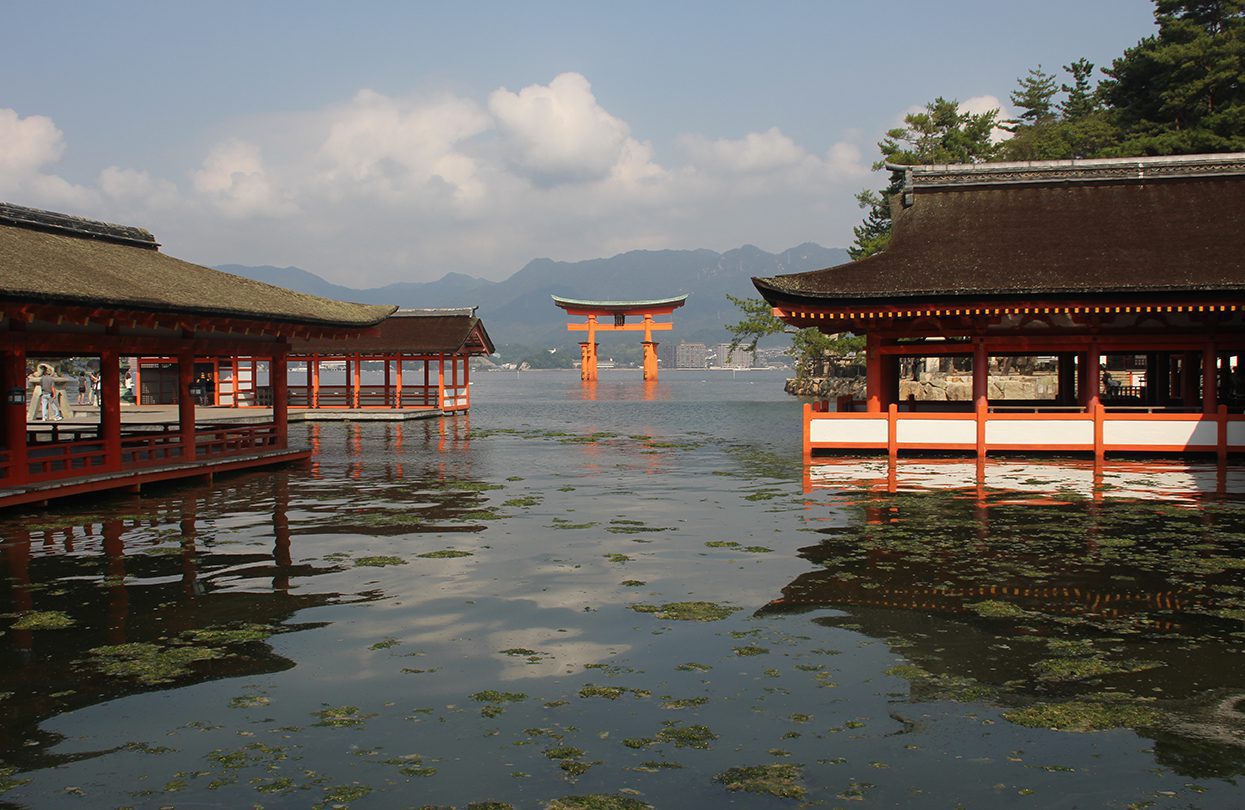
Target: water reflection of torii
(618,311)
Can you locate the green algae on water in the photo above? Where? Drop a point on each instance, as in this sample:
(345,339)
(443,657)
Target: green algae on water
(781,780)
(149,664)
(493,696)
(379,561)
(994,609)
(597,801)
(687,611)
(444,554)
(341,717)
(43,620)
(687,736)
(1083,715)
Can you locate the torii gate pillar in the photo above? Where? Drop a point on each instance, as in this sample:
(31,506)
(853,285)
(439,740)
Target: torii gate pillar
(592,311)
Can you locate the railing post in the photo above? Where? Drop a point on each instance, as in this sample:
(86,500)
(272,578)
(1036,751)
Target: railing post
(892,432)
(1222,448)
(982,411)
(1099,450)
(808,432)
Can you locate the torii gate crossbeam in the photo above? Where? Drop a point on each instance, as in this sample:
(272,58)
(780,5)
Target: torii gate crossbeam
(611,316)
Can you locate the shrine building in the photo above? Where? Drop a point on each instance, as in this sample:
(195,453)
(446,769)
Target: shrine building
(416,360)
(1116,283)
(95,292)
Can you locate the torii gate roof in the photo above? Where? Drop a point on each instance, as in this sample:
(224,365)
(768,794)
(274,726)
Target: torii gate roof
(620,306)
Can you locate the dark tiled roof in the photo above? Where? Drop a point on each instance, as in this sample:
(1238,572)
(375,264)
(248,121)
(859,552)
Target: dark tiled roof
(61,260)
(412,331)
(1050,230)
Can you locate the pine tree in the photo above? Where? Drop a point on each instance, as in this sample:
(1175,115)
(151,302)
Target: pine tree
(1181,90)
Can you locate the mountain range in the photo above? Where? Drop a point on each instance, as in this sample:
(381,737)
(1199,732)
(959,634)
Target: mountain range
(518,309)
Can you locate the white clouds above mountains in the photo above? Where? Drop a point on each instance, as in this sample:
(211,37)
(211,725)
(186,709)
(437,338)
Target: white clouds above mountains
(384,188)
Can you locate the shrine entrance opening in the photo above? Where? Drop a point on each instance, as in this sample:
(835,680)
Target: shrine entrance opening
(611,316)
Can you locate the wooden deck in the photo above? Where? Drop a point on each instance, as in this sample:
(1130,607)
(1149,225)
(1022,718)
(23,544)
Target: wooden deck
(133,478)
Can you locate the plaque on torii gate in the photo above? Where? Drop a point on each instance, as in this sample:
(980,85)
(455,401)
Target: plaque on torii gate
(611,316)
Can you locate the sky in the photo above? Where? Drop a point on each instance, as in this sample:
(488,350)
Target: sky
(378,142)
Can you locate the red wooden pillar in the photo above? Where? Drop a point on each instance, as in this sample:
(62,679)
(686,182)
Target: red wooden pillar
(315,380)
(15,414)
(110,408)
(467,380)
(357,365)
(1093,375)
(215,381)
(1067,378)
(426,383)
(441,382)
(397,395)
(873,373)
(186,404)
(454,377)
(981,373)
(278,378)
(388,400)
(1210,378)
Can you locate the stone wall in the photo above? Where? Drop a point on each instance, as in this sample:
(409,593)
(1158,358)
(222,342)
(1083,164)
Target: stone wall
(932,387)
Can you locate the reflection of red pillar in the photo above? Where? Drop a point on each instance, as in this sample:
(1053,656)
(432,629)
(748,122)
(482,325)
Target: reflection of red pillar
(17,558)
(119,599)
(190,571)
(281,533)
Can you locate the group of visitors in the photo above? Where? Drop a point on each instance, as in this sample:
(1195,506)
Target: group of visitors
(48,400)
(88,388)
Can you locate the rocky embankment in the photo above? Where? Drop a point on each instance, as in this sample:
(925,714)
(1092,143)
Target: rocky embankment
(931,387)
(830,388)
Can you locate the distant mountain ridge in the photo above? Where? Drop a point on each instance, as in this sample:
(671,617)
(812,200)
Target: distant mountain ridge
(519,310)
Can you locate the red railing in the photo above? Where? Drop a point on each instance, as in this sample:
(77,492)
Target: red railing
(148,448)
(370,396)
(50,460)
(226,440)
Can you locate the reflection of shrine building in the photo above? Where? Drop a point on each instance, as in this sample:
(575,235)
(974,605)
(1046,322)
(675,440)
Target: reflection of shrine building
(108,577)
(986,601)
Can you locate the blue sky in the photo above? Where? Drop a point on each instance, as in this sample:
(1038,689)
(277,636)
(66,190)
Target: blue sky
(377,142)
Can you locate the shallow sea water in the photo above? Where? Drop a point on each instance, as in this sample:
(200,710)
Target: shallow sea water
(501,607)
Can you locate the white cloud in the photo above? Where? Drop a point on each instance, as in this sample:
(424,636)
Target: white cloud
(234,178)
(983,104)
(755,152)
(558,133)
(381,188)
(393,146)
(28,147)
(28,144)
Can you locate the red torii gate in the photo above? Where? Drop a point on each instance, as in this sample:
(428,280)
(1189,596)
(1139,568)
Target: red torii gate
(618,310)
